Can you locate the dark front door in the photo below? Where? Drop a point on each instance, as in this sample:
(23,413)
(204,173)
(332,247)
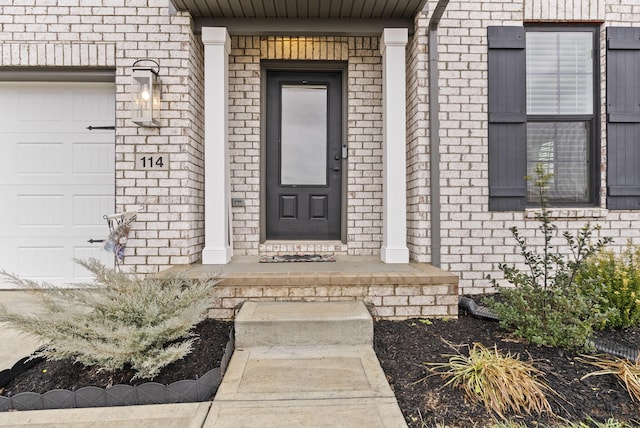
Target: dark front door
(304,155)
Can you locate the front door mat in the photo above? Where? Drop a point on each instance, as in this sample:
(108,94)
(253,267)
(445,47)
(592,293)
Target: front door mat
(289,258)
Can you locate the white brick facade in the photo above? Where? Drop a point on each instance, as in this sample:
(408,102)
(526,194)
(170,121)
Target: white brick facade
(364,136)
(112,34)
(475,240)
(418,209)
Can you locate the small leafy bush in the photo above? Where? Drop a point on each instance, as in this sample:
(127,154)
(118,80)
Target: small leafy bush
(555,317)
(544,306)
(614,282)
(501,382)
(116,322)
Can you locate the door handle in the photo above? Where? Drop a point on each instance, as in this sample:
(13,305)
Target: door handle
(336,168)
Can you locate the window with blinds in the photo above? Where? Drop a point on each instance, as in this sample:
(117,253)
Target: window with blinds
(560,112)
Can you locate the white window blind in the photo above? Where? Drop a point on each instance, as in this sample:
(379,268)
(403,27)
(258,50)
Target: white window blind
(559,72)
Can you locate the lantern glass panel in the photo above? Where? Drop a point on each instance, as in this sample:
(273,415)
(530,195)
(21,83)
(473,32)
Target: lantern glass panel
(145,98)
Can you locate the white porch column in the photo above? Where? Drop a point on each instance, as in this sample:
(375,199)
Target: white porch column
(394,140)
(217,209)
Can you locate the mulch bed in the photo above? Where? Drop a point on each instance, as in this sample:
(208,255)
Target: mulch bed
(213,336)
(402,348)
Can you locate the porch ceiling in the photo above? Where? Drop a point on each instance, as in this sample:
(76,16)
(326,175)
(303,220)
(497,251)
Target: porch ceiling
(301,9)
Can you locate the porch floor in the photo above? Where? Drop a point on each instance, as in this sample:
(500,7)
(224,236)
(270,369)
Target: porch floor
(392,291)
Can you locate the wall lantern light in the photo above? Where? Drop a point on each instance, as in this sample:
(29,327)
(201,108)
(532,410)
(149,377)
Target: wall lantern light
(145,93)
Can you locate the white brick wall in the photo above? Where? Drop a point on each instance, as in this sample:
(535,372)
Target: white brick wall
(565,10)
(364,133)
(364,137)
(244,141)
(474,240)
(418,196)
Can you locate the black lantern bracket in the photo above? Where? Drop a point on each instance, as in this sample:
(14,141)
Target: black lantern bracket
(143,60)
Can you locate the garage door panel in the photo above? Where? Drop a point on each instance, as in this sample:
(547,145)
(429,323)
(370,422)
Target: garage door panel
(80,205)
(63,160)
(59,104)
(57,178)
(49,266)
(90,108)
(89,210)
(39,104)
(41,211)
(53,181)
(33,154)
(47,213)
(84,105)
(40,158)
(92,159)
(95,251)
(53,264)
(10,116)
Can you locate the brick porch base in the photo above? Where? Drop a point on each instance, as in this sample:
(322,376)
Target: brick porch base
(391,291)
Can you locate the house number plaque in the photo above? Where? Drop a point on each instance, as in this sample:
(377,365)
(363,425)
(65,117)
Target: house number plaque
(152,161)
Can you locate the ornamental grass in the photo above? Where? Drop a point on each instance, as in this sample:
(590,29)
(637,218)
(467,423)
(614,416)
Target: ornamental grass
(627,372)
(502,383)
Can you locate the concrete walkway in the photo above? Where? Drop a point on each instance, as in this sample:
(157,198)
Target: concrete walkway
(295,365)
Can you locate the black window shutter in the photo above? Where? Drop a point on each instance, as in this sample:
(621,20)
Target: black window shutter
(507,119)
(623,118)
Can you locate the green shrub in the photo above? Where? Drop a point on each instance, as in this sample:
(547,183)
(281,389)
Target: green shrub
(544,306)
(116,322)
(555,317)
(614,282)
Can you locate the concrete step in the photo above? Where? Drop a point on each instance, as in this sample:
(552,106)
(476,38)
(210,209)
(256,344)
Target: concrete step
(303,324)
(303,364)
(311,387)
(303,373)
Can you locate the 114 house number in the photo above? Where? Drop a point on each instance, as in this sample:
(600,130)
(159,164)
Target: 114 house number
(152,161)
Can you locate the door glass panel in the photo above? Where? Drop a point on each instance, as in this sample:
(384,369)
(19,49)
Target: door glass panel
(303,147)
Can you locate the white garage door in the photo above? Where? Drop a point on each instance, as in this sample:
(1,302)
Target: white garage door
(56,177)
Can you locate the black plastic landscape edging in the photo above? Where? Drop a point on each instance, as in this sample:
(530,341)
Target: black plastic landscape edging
(601,345)
(182,391)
